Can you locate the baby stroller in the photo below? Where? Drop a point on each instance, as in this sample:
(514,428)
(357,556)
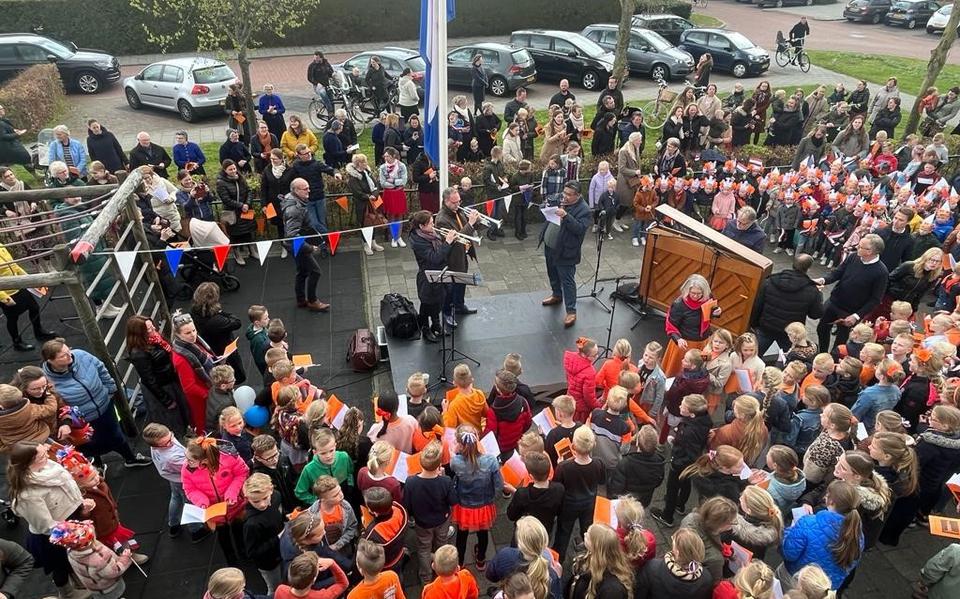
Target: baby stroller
(200,266)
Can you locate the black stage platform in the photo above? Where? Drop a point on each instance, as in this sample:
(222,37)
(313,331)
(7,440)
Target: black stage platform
(518,323)
(178,568)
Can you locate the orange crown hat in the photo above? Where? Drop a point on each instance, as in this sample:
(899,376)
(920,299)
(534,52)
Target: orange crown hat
(893,369)
(774,176)
(923,355)
(693,184)
(730,166)
(746,189)
(664,182)
(646,181)
(72,534)
(709,167)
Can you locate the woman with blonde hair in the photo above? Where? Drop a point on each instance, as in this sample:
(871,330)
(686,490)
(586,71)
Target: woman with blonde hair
(602,571)
(532,557)
(628,175)
(717,361)
(374,474)
(760,522)
(685,323)
(910,281)
(609,373)
(679,573)
(753,581)
(897,464)
(857,468)
(746,432)
(637,543)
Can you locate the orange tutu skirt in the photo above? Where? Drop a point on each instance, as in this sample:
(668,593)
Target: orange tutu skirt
(673,356)
(474,518)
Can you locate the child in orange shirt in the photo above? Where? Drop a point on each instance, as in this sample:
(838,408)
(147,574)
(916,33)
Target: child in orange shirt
(376,583)
(452,581)
(823,367)
(464,404)
(609,373)
(303,572)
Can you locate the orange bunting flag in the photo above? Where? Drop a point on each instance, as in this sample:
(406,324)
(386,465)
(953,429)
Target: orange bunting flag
(220,253)
(342,202)
(334,240)
(269,211)
(377,203)
(488,205)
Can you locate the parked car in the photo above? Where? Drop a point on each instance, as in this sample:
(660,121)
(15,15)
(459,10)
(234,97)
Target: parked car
(782,3)
(507,67)
(566,55)
(86,71)
(189,86)
(648,53)
(668,26)
(871,11)
(908,13)
(938,22)
(731,51)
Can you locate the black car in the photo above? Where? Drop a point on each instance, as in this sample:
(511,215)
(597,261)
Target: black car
(731,51)
(566,55)
(83,70)
(507,67)
(782,3)
(670,27)
(910,13)
(871,11)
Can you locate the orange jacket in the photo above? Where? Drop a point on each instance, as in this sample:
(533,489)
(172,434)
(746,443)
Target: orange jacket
(609,373)
(463,586)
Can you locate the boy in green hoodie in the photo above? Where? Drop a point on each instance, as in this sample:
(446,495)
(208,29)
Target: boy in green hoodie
(326,460)
(257,335)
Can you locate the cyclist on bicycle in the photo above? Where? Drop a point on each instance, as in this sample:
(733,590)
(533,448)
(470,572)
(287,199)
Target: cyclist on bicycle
(798,34)
(319,73)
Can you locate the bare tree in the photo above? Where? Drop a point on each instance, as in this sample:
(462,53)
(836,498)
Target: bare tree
(237,25)
(620,65)
(938,57)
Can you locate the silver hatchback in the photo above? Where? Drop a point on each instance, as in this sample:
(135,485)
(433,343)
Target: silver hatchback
(189,86)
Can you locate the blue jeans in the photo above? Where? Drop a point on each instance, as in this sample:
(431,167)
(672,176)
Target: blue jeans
(562,281)
(175,508)
(325,98)
(640,228)
(456,293)
(317,212)
(107,437)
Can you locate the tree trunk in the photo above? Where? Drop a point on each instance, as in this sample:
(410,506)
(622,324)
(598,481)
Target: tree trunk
(938,57)
(620,66)
(244,63)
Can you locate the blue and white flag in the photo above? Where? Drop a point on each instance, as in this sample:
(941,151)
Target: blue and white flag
(432,50)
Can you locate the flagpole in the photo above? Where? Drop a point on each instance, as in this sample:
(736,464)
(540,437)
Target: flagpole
(443,154)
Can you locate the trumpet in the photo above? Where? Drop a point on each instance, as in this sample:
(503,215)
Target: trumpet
(461,237)
(485,220)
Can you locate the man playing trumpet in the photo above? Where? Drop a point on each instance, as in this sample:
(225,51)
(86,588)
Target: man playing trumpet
(432,250)
(452,217)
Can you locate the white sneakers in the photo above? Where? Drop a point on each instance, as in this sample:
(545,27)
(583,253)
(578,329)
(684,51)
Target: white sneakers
(635,242)
(401,242)
(376,246)
(283,252)
(393,243)
(617,226)
(367,250)
(111,311)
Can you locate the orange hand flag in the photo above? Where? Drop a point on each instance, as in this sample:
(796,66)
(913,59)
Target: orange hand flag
(334,240)
(377,203)
(220,253)
(342,202)
(605,511)
(269,211)
(707,309)
(248,215)
(488,205)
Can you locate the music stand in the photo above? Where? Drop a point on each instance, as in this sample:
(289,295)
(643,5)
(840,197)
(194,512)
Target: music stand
(449,277)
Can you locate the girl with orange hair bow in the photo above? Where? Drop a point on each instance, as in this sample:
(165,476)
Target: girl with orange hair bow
(582,378)
(882,396)
(919,392)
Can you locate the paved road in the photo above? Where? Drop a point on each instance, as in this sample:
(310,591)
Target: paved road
(826,33)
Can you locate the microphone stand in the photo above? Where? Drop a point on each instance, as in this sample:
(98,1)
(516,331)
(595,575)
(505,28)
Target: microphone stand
(595,292)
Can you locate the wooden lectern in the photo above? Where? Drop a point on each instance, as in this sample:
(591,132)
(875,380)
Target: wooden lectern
(687,246)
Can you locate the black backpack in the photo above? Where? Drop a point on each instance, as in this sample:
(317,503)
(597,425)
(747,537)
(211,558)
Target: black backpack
(399,316)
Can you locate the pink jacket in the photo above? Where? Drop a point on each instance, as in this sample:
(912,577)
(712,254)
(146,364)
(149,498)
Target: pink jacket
(97,567)
(581,384)
(204,488)
(724,203)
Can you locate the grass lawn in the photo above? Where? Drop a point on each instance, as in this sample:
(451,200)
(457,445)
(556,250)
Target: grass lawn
(876,69)
(705,21)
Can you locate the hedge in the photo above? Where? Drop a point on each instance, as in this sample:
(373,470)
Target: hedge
(681,8)
(33,98)
(117,28)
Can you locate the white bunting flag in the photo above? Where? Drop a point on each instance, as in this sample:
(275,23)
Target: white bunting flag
(773,350)
(125,262)
(263,248)
(367,233)
(506,203)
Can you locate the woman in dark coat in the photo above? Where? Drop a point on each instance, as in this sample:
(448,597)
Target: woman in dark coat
(413,138)
(12,151)
(150,355)
(424,174)
(102,145)
(911,280)
(887,119)
(786,126)
(431,251)
(378,81)
(236,106)
(762,96)
(233,191)
(693,121)
(488,126)
(742,123)
(701,76)
(236,150)
(604,135)
(275,181)
(217,327)
(673,126)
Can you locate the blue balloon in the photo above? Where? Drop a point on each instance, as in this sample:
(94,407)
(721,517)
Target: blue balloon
(256,417)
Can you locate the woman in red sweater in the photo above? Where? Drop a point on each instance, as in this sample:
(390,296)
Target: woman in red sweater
(581,378)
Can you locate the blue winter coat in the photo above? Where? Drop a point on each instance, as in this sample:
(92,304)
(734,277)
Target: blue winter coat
(477,487)
(809,541)
(77,152)
(86,384)
(188,152)
(872,400)
(804,428)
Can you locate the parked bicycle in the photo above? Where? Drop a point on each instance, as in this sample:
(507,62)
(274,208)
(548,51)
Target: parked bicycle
(787,53)
(356,100)
(656,112)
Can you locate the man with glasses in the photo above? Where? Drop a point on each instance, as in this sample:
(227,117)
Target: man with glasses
(744,229)
(267,460)
(312,171)
(295,208)
(562,249)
